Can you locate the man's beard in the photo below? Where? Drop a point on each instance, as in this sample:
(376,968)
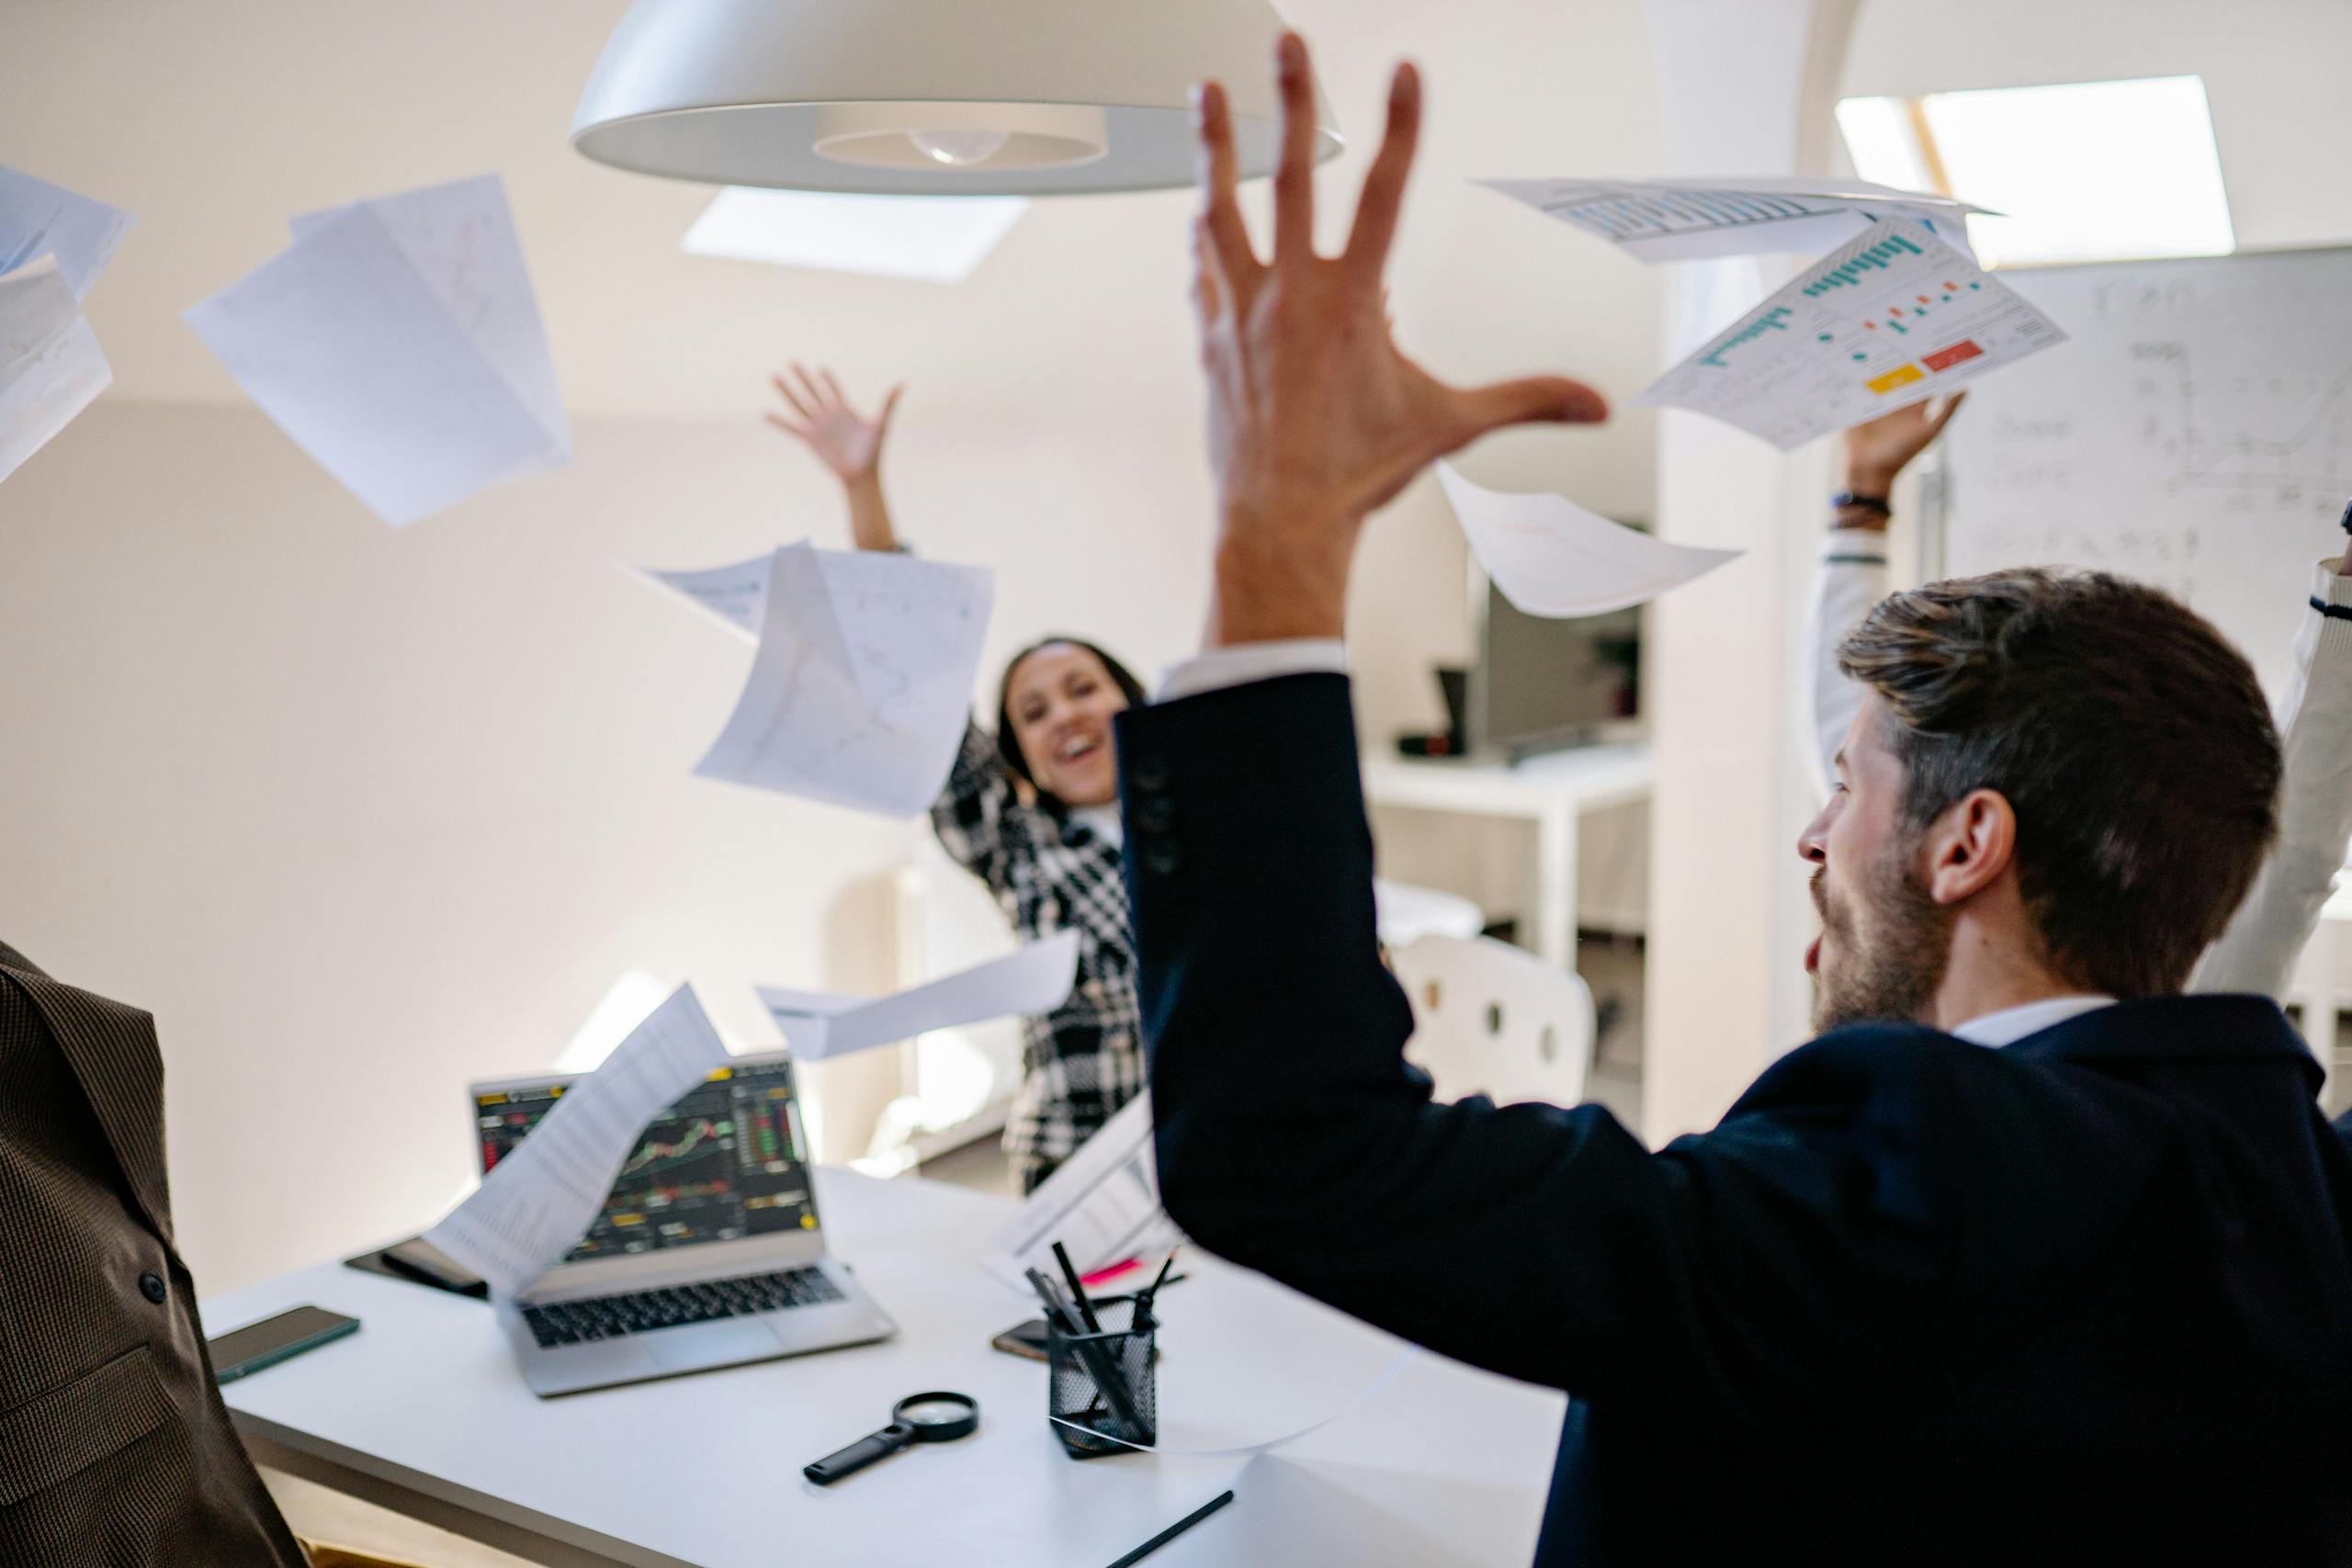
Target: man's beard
(1890,958)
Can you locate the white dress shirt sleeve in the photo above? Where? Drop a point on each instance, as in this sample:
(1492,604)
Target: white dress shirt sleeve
(2256,953)
(1244,662)
(1851,582)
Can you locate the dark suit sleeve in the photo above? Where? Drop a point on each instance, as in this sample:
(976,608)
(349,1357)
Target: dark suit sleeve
(1547,1244)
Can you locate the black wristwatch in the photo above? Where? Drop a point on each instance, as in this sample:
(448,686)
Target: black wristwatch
(1845,497)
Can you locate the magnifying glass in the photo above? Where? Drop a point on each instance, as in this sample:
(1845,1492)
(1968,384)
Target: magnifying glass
(918,1418)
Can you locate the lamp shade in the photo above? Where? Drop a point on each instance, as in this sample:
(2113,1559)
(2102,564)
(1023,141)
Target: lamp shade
(931,97)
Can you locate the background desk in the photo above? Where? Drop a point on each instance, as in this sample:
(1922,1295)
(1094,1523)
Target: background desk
(1553,792)
(423,1410)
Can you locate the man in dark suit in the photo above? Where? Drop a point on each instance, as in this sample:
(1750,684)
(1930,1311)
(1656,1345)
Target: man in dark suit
(2028,1258)
(115,1447)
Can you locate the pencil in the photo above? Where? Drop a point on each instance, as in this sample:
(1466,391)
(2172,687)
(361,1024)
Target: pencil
(1151,1296)
(1085,1307)
(1172,1531)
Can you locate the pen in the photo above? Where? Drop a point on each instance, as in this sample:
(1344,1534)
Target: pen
(1151,1296)
(1094,1357)
(1085,1307)
(1172,1531)
(1055,1314)
(1096,1279)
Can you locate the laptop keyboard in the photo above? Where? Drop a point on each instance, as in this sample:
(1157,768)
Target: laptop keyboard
(609,1317)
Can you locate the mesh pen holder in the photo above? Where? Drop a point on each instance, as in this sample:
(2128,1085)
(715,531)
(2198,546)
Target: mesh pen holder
(1126,1349)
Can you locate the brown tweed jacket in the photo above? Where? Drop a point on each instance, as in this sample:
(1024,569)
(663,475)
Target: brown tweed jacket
(114,1449)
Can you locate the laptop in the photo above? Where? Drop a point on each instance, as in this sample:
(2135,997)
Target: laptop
(707,1252)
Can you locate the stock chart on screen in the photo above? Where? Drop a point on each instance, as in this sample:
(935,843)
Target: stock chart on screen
(723,1163)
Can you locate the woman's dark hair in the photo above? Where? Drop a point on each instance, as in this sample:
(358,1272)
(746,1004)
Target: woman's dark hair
(1008,747)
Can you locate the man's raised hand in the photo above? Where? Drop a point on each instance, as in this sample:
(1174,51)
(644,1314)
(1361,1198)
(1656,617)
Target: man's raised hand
(1315,418)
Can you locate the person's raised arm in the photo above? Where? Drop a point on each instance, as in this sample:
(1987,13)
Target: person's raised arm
(1853,557)
(2256,951)
(1291,1134)
(846,442)
(969,815)
(1316,420)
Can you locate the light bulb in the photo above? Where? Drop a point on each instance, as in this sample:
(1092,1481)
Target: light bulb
(959,148)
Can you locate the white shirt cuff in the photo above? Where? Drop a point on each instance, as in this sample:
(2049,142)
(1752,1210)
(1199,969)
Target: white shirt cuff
(1245,662)
(1854,546)
(2330,589)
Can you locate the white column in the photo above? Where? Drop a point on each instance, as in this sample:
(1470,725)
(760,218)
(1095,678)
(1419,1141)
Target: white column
(1749,87)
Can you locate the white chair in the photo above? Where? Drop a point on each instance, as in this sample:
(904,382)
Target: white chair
(1407,913)
(1493,1018)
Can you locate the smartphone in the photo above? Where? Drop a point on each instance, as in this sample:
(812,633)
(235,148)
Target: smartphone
(273,1339)
(420,1260)
(1026,1340)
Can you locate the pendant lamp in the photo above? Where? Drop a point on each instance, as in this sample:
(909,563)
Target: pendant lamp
(932,97)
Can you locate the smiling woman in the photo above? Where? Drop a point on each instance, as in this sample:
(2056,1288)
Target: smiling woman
(1032,811)
(1053,720)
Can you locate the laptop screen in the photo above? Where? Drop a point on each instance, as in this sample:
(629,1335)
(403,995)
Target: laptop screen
(722,1164)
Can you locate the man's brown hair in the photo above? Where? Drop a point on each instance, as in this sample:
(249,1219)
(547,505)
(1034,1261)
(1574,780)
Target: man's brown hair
(2130,739)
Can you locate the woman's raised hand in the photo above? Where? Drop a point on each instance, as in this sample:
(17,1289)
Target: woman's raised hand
(844,441)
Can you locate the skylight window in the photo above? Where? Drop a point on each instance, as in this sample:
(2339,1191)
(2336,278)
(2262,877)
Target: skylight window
(2083,171)
(930,238)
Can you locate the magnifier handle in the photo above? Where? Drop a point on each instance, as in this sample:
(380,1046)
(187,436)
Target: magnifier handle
(859,1454)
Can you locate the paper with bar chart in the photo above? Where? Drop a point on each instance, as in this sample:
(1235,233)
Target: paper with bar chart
(1894,317)
(1663,221)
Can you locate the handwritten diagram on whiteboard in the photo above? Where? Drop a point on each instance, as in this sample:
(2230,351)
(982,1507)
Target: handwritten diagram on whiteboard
(2195,432)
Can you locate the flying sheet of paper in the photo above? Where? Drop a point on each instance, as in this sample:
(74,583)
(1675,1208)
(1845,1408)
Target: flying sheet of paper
(397,342)
(819,1024)
(1662,220)
(535,1204)
(736,594)
(1892,317)
(460,237)
(51,368)
(863,680)
(1101,1204)
(38,219)
(1551,557)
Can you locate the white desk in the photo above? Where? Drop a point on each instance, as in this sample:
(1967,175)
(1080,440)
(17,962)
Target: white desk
(1553,790)
(421,1410)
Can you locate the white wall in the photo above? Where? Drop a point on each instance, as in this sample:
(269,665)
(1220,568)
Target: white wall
(361,814)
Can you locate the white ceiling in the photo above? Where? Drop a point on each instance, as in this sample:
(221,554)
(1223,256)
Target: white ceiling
(213,120)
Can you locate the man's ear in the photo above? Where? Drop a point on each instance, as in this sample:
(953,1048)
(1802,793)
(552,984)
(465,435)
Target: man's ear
(1969,848)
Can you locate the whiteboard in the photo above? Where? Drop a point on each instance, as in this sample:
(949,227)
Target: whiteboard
(2194,431)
